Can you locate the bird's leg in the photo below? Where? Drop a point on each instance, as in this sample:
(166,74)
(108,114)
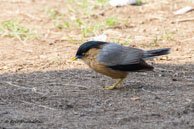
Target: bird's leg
(115,85)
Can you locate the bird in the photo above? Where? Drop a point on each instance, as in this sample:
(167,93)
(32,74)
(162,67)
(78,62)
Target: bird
(115,60)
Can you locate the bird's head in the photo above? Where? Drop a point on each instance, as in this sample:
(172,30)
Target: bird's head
(85,47)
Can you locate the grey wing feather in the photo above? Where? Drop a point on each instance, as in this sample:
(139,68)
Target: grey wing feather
(114,54)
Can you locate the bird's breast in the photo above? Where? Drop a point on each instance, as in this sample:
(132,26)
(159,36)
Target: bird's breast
(90,59)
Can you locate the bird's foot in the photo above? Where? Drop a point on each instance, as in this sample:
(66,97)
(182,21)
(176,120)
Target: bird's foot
(111,87)
(115,85)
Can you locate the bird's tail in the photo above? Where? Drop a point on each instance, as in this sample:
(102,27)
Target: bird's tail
(156,52)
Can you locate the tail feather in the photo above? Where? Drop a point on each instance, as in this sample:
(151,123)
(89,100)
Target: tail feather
(156,52)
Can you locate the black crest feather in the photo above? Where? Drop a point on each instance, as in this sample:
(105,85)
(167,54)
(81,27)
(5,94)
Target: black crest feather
(88,45)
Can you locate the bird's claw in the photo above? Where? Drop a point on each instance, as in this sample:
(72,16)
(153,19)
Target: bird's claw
(111,87)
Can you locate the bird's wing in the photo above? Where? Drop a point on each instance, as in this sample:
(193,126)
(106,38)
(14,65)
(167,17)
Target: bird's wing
(114,54)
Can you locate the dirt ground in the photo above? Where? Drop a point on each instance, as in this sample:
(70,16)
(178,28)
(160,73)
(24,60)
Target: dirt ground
(41,88)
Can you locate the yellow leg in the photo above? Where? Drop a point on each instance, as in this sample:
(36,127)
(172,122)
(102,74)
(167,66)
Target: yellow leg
(115,85)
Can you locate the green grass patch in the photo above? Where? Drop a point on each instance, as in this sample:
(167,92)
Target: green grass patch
(79,16)
(52,13)
(102,1)
(156,41)
(167,36)
(13,28)
(111,21)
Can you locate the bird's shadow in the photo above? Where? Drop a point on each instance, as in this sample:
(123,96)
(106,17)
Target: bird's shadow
(163,76)
(79,92)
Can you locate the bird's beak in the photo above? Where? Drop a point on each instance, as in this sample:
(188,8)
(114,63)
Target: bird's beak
(74,58)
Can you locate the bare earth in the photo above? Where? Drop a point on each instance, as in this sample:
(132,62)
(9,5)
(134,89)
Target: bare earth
(41,88)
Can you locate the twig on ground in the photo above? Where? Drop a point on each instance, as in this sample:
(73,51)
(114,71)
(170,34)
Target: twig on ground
(22,87)
(183,20)
(42,106)
(76,85)
(184,40)
(150,92)
(156,92)
(32,17)
(161,69)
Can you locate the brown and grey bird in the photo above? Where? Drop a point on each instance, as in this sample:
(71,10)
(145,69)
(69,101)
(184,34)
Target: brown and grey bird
(115,60)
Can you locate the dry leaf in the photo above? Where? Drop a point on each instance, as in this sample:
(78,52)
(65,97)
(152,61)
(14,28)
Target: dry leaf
(135,98)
